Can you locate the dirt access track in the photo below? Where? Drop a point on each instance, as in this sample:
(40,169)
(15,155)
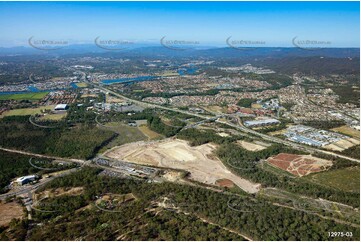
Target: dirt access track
(177,154)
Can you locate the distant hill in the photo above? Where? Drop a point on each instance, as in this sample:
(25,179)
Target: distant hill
(284,60)
(225,52)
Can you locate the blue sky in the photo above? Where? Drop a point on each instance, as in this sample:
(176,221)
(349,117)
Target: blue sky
(210,23)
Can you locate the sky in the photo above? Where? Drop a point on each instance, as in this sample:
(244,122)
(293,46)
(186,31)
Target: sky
(209,23)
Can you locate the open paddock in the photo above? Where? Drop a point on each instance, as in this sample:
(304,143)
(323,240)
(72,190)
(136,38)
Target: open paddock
(149,133)
(24,96)
(250,146)
(347,131)
(343,144)
(346,179)
(26,111)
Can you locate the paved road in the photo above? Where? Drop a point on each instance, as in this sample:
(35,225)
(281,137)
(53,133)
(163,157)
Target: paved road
(29,189)
(242,128)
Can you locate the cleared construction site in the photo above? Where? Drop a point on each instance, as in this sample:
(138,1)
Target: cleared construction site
(199,161)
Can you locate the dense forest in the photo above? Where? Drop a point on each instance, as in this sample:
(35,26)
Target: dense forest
(192,214)
(353,152)
(319,124)
(81,141)
(156,124)
(246,102)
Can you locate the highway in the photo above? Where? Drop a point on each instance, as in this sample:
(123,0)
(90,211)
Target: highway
(241,128)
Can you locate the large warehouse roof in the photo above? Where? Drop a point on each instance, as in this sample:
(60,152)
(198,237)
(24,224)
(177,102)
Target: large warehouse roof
(261,122)
(61,107)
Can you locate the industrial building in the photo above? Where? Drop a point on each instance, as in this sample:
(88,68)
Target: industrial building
(304,140)
(312,136)
(26,179)
(60,107)
(264,122)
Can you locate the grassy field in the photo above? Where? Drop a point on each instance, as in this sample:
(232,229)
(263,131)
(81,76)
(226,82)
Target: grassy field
(81,84)
(149,133)
(347,179)
(54,116)
(215,109)
(24,96)
(126,134)
(347,131)
(26,111)
(169,73)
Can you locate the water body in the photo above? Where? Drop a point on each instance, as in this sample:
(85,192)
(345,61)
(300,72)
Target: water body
(129,79)
(187,71)
(73,85)
(7,93)
(34,89)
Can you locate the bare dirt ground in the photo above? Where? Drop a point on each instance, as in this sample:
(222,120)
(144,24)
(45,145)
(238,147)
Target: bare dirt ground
(223,134)
(8,211)
(177,154)
(251,146)
(224,183)
(112,99)
(299,165)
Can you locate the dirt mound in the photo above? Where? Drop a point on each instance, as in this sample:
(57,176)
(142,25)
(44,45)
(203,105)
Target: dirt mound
(225,183)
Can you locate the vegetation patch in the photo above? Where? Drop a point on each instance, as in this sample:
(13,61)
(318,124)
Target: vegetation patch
(347,179)
(190,213)
(82,141)
(149,133)
(27,111)
(24,96)
(246,102)
(125,134)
